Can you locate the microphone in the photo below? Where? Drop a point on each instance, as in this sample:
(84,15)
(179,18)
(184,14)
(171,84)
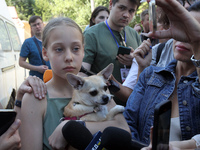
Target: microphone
(78,136)
(114,138)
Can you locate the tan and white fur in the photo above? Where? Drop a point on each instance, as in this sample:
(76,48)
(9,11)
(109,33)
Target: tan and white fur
(90,97)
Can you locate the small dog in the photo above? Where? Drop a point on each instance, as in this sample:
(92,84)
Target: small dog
(89,98)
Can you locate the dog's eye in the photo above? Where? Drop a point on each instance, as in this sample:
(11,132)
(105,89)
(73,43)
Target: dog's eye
(105,88)
(94,93)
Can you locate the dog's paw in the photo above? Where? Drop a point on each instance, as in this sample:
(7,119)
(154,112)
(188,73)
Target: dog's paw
(120,108)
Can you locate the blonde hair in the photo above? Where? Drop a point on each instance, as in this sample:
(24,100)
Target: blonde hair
(55,23)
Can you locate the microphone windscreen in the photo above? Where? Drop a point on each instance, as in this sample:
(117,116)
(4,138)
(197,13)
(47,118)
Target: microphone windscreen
(76,134)
(114,138)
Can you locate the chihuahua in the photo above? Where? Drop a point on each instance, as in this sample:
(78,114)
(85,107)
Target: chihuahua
(89,100)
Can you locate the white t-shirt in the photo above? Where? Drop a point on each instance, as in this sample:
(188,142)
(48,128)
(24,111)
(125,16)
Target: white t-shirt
(131,79)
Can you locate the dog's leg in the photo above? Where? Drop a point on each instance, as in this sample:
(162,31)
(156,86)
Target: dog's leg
(114,111)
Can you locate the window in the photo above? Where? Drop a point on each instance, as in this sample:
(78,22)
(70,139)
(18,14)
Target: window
(4,38)
(14,37)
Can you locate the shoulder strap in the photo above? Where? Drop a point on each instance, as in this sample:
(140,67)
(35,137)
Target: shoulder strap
(159,51)
(39,50)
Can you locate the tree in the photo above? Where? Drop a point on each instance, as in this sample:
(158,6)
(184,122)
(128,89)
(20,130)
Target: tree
(24,7)
(78,10)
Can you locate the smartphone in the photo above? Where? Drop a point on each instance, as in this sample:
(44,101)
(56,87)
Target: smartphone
(161,126)
(152,16)
(123,50)
(7,117)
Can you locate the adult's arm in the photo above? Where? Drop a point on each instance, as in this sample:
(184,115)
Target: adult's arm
(124,91)
(26,65)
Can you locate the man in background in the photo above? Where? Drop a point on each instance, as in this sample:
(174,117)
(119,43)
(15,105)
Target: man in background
(103,40)
(144,17)
(32,49)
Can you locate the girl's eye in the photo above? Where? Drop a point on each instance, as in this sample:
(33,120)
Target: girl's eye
(59,49)
(76,49)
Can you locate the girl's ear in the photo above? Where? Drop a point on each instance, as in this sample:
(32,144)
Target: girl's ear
(44,54)
(93,20)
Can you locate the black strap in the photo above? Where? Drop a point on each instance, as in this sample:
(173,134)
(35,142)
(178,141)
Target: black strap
(159,51)
(39,50)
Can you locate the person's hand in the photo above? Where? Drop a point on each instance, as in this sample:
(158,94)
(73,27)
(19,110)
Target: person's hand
(171,147)
(143,54)
(10,140)
(57,140)
(126,59)
(137,28)
(42,68)
(183,26)
(32,84)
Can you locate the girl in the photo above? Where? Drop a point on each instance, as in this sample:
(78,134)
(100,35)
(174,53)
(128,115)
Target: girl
(63,46)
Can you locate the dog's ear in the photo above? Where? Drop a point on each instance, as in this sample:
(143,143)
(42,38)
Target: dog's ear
(75,81)
(106,72)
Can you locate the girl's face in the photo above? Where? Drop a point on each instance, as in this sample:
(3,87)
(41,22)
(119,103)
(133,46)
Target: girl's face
(102,16)
(65,50)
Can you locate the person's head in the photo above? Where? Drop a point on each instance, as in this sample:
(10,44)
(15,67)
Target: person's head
(37,25)
(183,51)
(144,18)
(121,13)
(162,20)
(63,46)
(99,14)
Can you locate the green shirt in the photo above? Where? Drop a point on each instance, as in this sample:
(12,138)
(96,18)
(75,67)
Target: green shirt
(101,48)
(54,112)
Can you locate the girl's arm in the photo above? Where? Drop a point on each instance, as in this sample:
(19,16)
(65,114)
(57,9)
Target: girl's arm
(56,139)
(31,130)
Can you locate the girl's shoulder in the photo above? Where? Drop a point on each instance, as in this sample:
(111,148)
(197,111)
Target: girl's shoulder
(33,104)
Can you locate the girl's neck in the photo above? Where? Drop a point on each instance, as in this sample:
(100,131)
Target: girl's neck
(59,88)
(184,69)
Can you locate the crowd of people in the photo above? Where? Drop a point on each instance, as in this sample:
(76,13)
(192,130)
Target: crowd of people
(174,77)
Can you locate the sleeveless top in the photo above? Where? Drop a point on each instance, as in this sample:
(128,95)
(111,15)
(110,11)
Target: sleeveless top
(55,108)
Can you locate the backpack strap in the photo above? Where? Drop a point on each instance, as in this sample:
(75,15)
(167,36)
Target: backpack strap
(159,51)
(39,50)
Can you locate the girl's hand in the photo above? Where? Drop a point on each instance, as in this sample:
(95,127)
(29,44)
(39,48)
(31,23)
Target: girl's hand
(57,140)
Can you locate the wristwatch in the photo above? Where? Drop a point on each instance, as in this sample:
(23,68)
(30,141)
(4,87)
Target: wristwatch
(195,62)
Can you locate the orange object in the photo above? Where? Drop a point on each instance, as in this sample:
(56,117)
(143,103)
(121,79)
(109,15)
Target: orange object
(47,75)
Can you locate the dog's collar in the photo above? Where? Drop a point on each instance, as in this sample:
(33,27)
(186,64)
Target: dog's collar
(75,117)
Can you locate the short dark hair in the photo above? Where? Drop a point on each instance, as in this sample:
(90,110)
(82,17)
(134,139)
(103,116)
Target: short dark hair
(33,18)
(96,12)
(136,2)
(195,7)
(143,14)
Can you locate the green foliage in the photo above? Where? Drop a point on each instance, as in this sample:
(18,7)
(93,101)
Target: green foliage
(136,19)
(24,7)
(78,10)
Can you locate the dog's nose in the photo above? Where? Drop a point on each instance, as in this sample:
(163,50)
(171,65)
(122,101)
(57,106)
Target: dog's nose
(105,98)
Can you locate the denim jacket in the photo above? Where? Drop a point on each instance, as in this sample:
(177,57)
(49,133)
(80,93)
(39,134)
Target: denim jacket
(156,84)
